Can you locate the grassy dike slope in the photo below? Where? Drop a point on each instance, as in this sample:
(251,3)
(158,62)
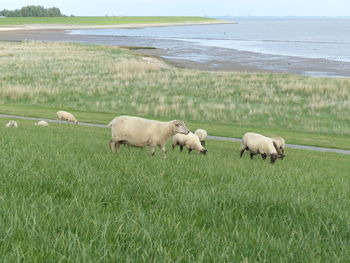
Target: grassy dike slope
(98,83)
(65,197)
(96,20)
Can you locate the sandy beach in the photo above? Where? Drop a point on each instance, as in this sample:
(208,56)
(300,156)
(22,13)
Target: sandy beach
(181,55)
(123,26)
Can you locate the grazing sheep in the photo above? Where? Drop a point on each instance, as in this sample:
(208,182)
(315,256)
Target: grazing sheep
(41,123)
(191,141)
(141,132)
(202,135)
(281,145)
(11,123)
(259,144)
(66,116)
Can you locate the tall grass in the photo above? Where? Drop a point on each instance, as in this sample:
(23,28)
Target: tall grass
(108,79)
(65,198)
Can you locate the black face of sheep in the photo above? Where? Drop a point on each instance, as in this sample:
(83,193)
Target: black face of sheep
(273,157)
(204,151)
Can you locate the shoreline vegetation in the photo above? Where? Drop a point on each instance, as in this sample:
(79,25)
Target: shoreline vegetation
(98,83)
(65,23)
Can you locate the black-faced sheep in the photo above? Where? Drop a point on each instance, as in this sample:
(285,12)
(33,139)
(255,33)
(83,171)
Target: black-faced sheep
(281,145)
(259,144)
(191,141)
(202,135)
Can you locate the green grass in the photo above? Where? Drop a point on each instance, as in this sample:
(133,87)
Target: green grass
(65,197)
(217,129)
(98,83)
(96,20)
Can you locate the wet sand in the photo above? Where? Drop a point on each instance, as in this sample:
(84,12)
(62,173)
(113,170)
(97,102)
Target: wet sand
(195,56)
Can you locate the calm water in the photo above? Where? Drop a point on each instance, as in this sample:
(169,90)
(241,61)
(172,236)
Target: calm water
(320,38)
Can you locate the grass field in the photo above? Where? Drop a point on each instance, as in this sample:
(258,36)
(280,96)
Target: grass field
(96,20)
(65,197)
(98,83)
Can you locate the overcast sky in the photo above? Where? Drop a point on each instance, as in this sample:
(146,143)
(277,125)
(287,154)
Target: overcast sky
(191,7)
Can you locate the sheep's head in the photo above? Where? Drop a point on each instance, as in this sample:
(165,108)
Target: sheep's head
(273,157)
(180,127)
(204,151)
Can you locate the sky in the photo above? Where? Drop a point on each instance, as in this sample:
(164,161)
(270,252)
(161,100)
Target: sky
(190,7)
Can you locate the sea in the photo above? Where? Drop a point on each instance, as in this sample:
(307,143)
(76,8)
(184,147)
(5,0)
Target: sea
(316,46)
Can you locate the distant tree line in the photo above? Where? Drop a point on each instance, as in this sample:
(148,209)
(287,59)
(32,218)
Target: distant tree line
(32,11)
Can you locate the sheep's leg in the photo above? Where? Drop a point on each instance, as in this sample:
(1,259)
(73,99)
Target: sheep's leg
(189,150)
(114,146)
(111,146)
(181,148)
(251,156)
(264,156)
(242,151)
(163,150)
(152,150)
(173,146)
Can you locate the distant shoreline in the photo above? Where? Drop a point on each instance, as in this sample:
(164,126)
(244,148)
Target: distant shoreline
(120,26)
(177,54)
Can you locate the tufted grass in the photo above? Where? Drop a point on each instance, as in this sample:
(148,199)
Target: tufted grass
(108,81)
(65,197)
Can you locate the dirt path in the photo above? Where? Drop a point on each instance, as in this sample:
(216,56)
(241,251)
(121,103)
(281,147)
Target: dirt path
(293,146)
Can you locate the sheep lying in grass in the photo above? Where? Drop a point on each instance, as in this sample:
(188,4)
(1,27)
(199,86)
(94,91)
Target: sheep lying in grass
(259,144)
(191,141)
(202,135)
(66,116)
(141,132)
(281,145)
(11,124)
(41,123)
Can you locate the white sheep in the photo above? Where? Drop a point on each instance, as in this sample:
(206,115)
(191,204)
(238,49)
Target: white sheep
(11,123)
(259,144)
(191,141)
(66,116)
(202,135)
(141,132)
(41,123)
(281,145)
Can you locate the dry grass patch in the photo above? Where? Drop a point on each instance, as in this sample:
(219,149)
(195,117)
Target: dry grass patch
(109,79)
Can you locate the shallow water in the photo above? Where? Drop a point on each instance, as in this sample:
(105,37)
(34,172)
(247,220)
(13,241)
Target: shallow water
(306,38)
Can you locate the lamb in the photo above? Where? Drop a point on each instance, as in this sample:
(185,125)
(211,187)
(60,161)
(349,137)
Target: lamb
(202,135)
(66,116)
(41,123)
(259,144)
(191,141)
(141,132)
(11,124)
(281,145)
